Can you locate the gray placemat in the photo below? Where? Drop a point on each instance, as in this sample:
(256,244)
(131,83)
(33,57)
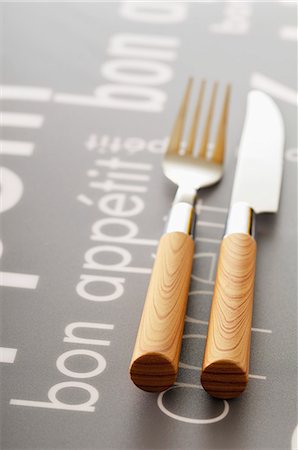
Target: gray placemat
(90,91)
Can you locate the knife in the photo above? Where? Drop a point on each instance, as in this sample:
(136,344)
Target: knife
(256,189)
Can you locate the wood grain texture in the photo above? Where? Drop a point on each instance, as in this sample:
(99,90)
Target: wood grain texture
(154,364)
(226,360)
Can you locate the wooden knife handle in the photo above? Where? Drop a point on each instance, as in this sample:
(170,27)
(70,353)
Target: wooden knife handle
(154,364)
(226,360)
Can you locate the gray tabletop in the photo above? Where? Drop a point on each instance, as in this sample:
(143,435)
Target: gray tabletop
(89,95)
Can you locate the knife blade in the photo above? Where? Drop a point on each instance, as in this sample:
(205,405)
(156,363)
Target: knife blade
(259,169)
(256,189)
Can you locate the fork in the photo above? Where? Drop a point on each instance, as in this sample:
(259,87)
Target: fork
(154,364)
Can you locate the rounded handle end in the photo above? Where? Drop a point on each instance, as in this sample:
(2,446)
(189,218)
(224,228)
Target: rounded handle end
(153,372)
(154,365)
(224,379)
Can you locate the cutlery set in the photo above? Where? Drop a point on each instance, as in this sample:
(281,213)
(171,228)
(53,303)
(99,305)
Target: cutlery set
(257,183)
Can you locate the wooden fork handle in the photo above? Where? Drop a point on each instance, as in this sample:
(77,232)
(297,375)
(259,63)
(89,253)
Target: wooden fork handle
(226,360)
(154,364)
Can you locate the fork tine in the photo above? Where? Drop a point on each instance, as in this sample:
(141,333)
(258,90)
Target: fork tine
(219,149)
(176,136)
(204,142)
(194,126)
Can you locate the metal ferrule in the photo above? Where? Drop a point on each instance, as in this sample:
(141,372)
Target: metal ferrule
(182,218)
(241,219)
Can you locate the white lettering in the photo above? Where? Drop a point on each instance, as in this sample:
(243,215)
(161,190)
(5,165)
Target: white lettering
(11,189)
(236,19)
(139,98)
(131,227)
(114,205)
(136,72)
(54,403)
(143,46)
(91,264)
(101,363)
(154,12)
(116,282)
(72,339)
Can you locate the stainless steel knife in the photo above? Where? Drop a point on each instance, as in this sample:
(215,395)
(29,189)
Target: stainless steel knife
(256,189)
